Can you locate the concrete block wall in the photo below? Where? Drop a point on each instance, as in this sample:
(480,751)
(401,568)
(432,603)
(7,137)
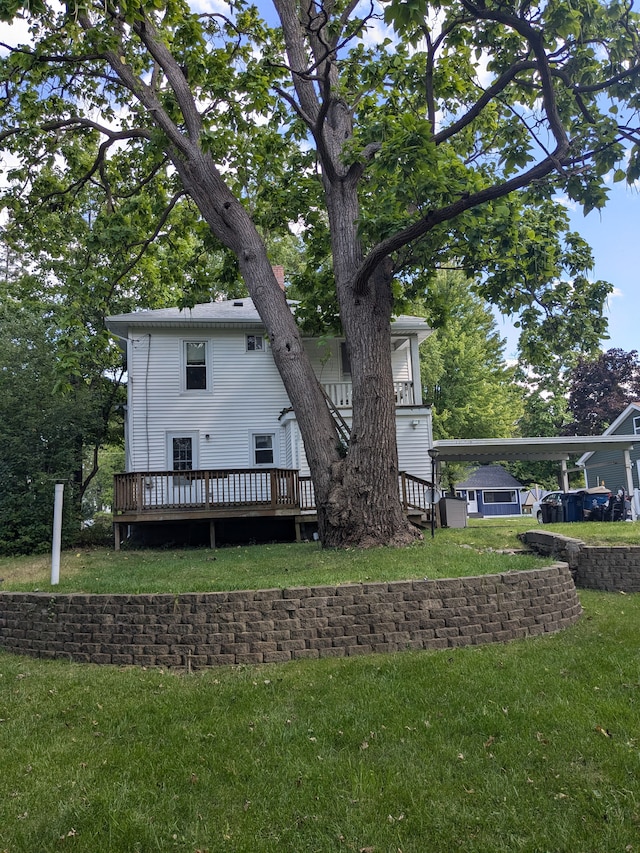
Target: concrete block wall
(614,568)
(266,626)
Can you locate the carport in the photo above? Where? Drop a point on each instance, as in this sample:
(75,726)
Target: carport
(484,450)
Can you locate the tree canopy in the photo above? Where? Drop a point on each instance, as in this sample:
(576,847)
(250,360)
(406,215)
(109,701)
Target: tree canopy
(465,379)
(600,389)
(397,137)
(42,433)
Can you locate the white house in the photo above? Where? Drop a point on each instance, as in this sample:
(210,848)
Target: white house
(205,399)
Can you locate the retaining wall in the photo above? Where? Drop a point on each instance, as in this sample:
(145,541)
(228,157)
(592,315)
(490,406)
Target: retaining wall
(265,626)
(612,568)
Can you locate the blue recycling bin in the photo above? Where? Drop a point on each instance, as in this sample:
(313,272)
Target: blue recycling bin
(572,507)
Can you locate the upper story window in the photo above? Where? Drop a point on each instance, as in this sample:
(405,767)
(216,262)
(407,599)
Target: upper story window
(636,426)
(195,360)
(345,361)
(255,343)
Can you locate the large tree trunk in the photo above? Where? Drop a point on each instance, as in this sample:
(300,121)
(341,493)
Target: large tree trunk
(357,496)
(364,503)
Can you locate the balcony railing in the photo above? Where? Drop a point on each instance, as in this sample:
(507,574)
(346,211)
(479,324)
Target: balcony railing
(341,393)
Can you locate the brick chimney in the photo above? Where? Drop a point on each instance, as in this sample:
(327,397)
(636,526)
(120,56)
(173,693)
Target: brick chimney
(278,271)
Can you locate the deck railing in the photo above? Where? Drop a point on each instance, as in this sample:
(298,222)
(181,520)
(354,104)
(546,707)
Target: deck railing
(414,492)
(341,393)
(149,491)
(144,492)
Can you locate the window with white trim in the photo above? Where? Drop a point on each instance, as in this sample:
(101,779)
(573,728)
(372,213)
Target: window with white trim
(507,496)
(636,426)
(255,343)
(263,448)
(195,365)
(182,453)
(182,456)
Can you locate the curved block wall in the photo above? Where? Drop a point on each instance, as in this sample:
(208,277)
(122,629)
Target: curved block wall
(265,626)
(606,568)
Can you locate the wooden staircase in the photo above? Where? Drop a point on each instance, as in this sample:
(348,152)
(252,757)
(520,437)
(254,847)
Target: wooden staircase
(342,427)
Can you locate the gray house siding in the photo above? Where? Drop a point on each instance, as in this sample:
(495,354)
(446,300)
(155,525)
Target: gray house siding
(606,467)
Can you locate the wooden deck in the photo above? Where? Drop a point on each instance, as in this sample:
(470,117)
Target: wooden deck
(157,496)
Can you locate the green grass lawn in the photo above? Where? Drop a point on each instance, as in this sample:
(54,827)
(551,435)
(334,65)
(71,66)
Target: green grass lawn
(530,746)
(451,553)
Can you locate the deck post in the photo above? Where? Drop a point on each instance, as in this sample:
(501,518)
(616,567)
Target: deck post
(212,534)
(403,482)
(116,535)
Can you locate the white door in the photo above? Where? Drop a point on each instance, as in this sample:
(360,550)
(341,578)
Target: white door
(472,501)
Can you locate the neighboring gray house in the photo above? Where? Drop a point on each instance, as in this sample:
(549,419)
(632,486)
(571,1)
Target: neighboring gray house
(490,491)
(616,469)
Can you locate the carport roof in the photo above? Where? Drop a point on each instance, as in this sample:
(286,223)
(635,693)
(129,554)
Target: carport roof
(485,450)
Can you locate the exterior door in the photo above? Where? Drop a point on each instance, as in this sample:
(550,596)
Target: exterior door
(472,501)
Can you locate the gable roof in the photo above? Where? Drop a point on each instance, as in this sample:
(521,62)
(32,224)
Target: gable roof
(230,313)
(612,428)
(490,477)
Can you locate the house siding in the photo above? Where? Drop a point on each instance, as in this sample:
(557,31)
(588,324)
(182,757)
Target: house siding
(607,466)
(489,510)
(246,396)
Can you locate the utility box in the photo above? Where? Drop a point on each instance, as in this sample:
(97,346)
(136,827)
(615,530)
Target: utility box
(453,511)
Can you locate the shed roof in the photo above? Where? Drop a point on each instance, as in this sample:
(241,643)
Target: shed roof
(490,477)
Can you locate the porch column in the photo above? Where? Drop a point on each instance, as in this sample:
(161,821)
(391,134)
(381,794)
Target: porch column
(415,371)
(629,475)
(564,475)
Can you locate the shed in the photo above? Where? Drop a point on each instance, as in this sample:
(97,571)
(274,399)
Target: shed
(491,490)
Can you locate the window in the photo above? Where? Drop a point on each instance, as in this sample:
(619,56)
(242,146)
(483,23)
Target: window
(505,497)
(263,448)
(195,353)
(255,343)
(636,426)
(345,361)
(182,453)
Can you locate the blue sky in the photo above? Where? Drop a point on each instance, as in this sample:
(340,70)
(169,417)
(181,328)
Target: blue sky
(614,235)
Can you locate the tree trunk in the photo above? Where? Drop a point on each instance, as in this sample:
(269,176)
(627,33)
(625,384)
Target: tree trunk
(364,503)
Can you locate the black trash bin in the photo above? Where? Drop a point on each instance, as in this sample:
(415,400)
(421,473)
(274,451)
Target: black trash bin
(551,512)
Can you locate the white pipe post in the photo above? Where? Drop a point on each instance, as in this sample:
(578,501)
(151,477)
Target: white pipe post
(57,533)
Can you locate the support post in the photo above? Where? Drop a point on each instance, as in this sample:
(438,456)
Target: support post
(212,534)
(629,477)
(57,533)
(564,475)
